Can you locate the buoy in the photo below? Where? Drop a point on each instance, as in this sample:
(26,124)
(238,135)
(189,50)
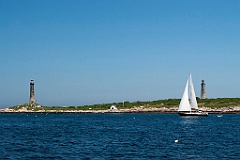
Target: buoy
(176,141)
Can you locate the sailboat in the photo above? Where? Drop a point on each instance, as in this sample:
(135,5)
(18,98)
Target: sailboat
(188,105)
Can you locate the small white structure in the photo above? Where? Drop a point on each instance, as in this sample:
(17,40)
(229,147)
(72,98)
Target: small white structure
(113,107)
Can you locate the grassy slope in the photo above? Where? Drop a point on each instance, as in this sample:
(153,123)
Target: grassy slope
(168,103)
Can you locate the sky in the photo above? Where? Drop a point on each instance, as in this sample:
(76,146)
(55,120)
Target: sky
(83,52)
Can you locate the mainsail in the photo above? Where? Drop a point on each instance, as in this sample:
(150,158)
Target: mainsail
(193,101)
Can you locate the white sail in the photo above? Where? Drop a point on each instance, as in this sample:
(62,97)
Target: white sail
(193,101)
(184,104)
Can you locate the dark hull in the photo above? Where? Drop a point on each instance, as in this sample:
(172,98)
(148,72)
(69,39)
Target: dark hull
(193,113)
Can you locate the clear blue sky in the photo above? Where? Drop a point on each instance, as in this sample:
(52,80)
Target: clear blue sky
(99,51)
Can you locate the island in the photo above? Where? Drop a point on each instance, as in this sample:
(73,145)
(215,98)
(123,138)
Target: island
(212,106)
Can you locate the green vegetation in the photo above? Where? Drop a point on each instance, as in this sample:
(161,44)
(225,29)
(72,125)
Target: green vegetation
(27,107)
(219,102)
(167,103)
(120,105)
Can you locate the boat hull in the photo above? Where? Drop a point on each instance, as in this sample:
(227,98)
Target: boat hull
(193,113)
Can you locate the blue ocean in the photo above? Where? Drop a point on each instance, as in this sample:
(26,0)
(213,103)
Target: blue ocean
(119,136)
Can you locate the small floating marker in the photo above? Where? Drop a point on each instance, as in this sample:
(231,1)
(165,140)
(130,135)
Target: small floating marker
(176,141)
(134,118)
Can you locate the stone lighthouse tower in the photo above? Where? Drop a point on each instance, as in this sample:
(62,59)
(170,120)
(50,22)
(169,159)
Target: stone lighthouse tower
(203,90)
(32,100)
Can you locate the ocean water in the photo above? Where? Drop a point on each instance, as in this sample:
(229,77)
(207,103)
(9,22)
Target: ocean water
(119,136)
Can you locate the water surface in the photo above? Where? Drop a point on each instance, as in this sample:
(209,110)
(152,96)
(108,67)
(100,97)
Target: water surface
(119,136)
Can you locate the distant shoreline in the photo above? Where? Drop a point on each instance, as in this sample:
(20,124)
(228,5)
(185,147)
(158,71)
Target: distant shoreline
(232,110)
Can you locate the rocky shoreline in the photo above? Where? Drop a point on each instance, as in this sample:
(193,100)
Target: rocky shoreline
(225,110)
